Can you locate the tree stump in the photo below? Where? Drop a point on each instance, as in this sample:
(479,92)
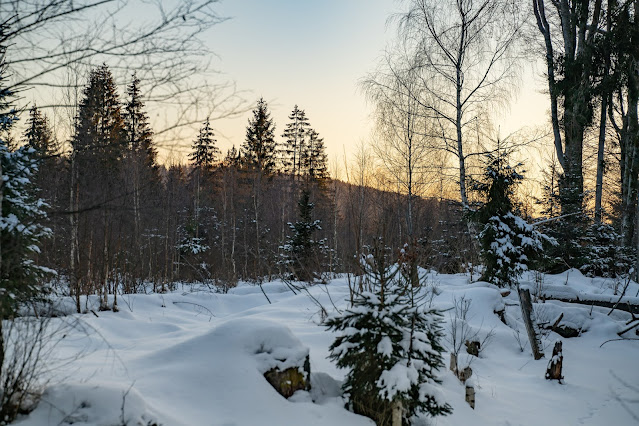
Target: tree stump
(289,381)
(473,347)
(553,372)
(502,315)
(465,374)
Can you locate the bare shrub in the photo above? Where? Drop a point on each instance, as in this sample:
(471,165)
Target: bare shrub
(461,332)
(27,343)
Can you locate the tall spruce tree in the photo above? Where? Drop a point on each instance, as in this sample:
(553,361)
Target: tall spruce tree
(21,213)
(39,137)
(100,132)
(203,157)
(258,153)
(293,149)
(38,133)
(139,135)
(315,158)
(259,148)
(99,147)
(205,152)
(142,171)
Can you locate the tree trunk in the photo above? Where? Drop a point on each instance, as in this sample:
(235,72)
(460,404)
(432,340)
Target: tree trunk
(620,305)
(606,96)
(397,409)
(572,185)
(74,261)
(630,163)
(526,313)
(104,303)
(256,207)
(1,275)
(600,159)
(460,146)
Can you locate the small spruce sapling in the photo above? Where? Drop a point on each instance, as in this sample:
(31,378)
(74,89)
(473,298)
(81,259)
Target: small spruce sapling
(507,240)
(390,343)
(302,254)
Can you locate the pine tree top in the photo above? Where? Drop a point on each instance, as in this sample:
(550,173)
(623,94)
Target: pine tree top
(293,151)
(205,152)
(259,147)
(100,127)
(139,133)
(38,134)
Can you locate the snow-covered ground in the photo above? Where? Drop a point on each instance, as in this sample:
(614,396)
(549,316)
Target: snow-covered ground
(194,357)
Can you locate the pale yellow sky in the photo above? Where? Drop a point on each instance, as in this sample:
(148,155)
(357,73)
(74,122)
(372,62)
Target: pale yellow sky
(313,54)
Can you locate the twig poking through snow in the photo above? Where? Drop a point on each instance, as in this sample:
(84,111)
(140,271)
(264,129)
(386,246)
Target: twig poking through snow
(199,306)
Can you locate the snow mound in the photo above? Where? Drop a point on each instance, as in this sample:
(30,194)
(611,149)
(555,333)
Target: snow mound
(85,405)
(271,344)
(222,370)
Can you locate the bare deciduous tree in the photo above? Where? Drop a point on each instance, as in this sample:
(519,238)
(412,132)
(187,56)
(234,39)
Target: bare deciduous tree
(402,143)
(165,48)
(462,55)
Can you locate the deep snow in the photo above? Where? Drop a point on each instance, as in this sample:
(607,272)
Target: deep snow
(195,357)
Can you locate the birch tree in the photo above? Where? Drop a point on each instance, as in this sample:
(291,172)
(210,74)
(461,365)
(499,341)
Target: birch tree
(463,58)
(402,144)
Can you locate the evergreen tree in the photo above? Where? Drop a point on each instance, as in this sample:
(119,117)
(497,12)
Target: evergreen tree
(302,253)
(21,215)
(293,150)
(100,130)
(39,137)
(605,255)
(142,170)
(259,147)
(205,152)
(258,154)
(203,157)
(507,240)
(98,183)
(38,134)
(391,345)
(232,158)
(20,228)
(315,159)
(139,135)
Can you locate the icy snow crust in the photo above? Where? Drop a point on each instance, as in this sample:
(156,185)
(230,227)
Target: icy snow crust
(201,362)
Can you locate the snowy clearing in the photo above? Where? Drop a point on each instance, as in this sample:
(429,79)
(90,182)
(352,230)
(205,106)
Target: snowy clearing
(194,357)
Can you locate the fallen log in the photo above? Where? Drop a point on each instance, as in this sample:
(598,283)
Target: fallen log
(625,306)
(627,329)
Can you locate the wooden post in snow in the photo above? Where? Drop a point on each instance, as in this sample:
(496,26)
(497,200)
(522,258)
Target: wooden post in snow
(397,413)
(526,312)
(470,396)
